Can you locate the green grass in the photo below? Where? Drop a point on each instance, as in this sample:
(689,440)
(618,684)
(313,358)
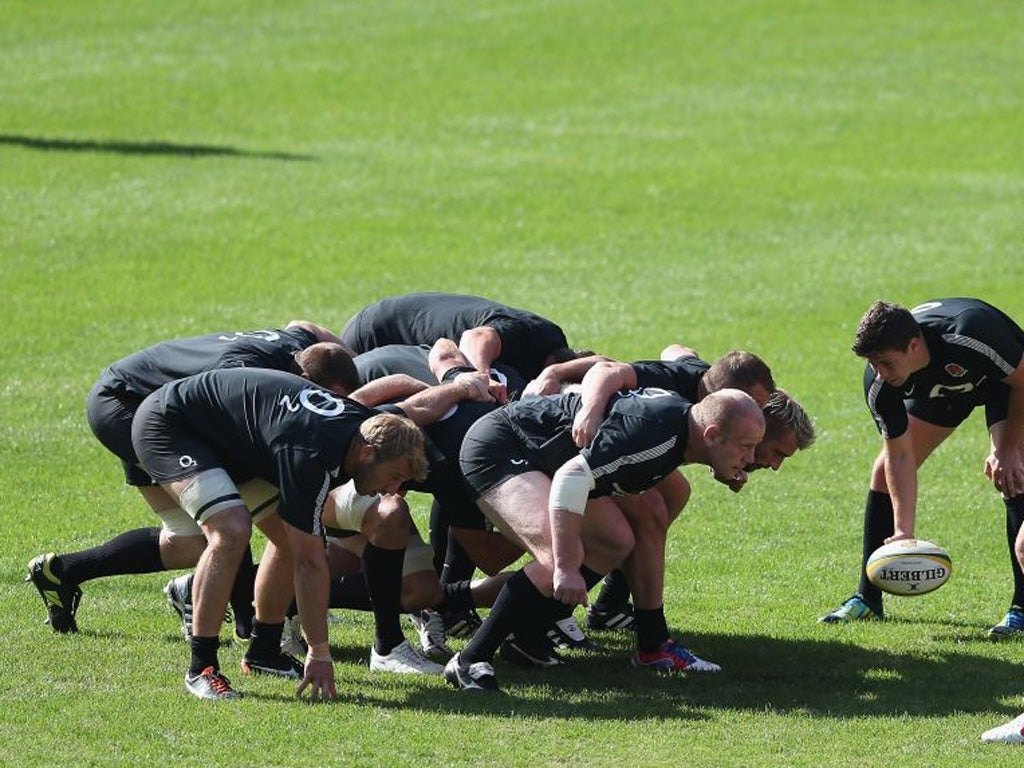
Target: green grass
(729,175)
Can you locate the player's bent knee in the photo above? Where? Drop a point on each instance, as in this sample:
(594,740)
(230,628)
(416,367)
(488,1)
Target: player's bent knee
(181,551)
(391,524)
(230,527)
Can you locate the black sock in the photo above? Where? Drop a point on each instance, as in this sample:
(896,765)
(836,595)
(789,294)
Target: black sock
(136,551)
(265,639)
(590,577)
(382,569)
(614,590)
(457,564)
(651,628)
(519,605)
(1014,520)
(243,593)
(350,591)
(535,633)
(458,597)
(204,653)
(439,535)
(878,526)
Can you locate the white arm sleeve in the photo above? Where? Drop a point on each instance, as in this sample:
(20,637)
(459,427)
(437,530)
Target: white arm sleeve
(571,485)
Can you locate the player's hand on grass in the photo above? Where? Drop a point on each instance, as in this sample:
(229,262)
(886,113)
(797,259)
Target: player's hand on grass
(319,678)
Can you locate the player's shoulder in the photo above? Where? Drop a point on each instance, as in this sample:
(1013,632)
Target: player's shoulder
(954,310)
(652,399)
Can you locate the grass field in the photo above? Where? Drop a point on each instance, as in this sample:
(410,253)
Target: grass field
(746,174)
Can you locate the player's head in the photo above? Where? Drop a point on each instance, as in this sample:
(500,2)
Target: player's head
(393,452)
(788,429)
(740,370)
(731,425)
(885,327)
(890,339)
(330,365)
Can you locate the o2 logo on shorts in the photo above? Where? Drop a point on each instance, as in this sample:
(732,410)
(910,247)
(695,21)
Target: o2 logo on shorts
(318,401)
(187,462)
(264,335)
(925,307)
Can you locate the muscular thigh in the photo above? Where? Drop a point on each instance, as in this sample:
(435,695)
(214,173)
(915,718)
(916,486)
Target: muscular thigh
(926,437)
(518,508)
(607,535)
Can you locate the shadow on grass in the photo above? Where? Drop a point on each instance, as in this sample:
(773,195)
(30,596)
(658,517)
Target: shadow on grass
(815,677)
(145,148)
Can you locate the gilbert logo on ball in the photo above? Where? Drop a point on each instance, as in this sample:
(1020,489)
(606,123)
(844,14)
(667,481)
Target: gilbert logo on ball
(909,567)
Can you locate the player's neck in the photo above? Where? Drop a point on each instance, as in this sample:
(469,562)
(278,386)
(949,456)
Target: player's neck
(696,449)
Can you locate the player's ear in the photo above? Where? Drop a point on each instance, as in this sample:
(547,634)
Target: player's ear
(367,454)
(712,432)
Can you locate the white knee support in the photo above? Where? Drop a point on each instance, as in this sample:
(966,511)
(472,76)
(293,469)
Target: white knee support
(210,492)
(350,507)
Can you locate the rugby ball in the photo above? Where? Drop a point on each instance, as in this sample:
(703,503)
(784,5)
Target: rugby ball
(909,567)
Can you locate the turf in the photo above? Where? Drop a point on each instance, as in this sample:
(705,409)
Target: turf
(727,175)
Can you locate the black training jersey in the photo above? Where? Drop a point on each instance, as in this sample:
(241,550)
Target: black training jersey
(973,347)
(272,425)
(148,370)
(423,318)
(641,440)
(414,361)
(682,375)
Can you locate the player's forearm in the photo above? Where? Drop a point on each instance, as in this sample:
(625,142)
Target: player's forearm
(572,371)
(602,381)
(387,388)
(901,479)
(321,333)
(312,590)
(445,355)
(566,546)
(481,346)
(431,404)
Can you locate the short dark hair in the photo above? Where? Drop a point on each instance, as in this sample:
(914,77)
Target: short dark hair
(739,370)
(329,365)
(885,326)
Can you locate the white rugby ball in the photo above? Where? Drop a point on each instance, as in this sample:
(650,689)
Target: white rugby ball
(909,567)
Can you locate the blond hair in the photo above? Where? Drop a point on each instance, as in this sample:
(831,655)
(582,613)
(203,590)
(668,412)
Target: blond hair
(391,437)
(782,413)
